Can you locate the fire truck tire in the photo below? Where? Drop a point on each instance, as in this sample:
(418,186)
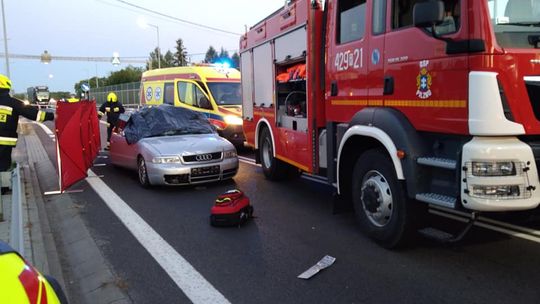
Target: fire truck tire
(142,172)
(273,168)
(380,200)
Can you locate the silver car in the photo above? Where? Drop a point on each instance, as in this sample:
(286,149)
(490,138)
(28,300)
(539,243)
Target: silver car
(175,158)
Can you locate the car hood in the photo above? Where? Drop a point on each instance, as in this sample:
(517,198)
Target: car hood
(187,144)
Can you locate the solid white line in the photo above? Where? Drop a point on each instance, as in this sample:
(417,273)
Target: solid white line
(246,159)
(488,226)
(249,162)
(191,282)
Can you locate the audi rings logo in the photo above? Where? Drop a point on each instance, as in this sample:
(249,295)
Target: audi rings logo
(203,157)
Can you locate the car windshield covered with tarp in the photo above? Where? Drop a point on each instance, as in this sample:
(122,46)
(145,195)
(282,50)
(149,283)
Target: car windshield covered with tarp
(165,120)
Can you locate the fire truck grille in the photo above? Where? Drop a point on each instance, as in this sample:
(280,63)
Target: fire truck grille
(533,88)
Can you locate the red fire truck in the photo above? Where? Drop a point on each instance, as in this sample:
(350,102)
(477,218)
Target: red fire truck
(399,103)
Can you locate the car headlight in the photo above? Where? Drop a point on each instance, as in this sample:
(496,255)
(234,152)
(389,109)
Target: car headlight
(493,168)
(230,154)
(233,120)
(166,159)
(498,191)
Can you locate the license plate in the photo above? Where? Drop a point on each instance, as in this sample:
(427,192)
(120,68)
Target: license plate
(202,171)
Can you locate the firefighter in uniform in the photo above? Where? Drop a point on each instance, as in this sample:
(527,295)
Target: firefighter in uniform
(72,98)
(10,110)
(113,108)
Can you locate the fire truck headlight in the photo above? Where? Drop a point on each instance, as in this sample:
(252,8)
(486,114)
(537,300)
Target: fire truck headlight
(233,120)
(496,192)
(173,159)
(492,168)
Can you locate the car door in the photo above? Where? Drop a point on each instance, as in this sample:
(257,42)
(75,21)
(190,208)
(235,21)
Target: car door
(122,153)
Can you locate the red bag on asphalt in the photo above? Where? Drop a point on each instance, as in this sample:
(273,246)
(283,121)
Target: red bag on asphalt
(232,208)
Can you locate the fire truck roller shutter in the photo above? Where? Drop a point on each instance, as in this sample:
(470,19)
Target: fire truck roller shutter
(388,123)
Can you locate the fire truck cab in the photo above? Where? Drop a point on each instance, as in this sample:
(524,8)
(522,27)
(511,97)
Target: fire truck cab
(399,103)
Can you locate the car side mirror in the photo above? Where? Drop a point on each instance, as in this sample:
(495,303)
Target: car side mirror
(204,103)
(428,14)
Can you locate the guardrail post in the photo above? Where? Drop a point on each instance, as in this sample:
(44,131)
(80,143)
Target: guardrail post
(4,182)
(16,237)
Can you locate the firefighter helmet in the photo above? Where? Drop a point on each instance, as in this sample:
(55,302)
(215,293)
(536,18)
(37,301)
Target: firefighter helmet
(112,97)
(5,83)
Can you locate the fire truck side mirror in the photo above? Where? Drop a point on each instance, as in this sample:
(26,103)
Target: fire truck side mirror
(428,14)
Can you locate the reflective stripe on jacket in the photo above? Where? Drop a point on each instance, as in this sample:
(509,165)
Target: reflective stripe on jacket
(8,141)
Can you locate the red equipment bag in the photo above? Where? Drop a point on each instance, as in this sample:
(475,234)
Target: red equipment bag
(232,208)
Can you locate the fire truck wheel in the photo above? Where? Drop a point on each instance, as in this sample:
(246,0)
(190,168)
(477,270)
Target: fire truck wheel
(143,174)
(379,199)
(273,168)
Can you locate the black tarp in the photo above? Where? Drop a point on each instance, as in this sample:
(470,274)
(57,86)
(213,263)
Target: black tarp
(165,119)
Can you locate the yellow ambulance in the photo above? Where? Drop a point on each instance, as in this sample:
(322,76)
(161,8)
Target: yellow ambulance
(213,90)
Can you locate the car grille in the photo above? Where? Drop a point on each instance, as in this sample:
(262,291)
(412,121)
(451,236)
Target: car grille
(206,157)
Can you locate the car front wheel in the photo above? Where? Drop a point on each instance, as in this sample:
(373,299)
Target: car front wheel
(143,173)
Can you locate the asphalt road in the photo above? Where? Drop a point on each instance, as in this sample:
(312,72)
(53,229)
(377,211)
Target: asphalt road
(294,228)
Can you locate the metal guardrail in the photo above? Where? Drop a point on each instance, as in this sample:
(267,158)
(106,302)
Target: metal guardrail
(16,229)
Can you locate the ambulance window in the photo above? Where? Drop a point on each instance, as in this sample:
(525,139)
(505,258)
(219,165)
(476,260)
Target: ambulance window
(351,20)
(168,97)
(190,94)
(379,16)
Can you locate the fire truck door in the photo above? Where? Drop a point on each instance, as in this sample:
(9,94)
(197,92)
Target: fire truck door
(346,84)
(378,84)
(429,83)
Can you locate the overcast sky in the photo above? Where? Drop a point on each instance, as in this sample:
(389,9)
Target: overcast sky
(97,28)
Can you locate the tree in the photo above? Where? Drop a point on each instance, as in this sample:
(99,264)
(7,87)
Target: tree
(180,56)
(224,55)
(153,61)
(168,60)
(235,58)
(127,75)
(211,55)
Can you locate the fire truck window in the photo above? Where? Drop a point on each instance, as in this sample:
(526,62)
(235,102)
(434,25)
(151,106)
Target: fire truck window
(402,15)
(402,11)
(451,19)
(168,97)
(379,16)
(351,20)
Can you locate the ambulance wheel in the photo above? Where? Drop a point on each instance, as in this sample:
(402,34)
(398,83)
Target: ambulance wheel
(143,173)
(380,200)
(273,168)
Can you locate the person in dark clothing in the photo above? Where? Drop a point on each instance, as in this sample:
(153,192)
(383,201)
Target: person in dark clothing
(113,108)
(10,110)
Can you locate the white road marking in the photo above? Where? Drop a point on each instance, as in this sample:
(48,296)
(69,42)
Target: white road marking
(191,282)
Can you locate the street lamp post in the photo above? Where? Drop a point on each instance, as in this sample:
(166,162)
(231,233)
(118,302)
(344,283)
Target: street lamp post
(158,55)
(142,23)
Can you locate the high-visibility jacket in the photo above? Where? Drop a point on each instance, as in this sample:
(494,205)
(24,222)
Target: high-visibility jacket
(22,283)
(113,109)
(10,109)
